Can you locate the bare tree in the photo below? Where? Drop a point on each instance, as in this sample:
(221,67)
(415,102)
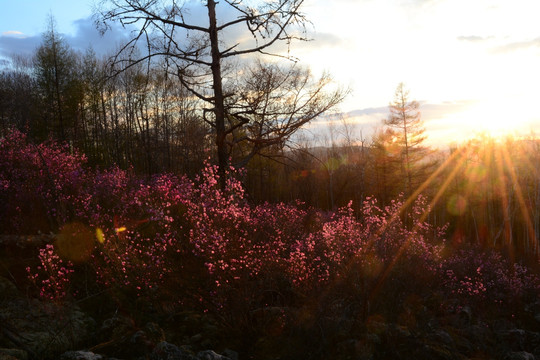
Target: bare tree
(196,49)
(271,102)
(18,97)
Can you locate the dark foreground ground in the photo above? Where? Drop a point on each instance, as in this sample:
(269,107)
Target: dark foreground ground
(95,329)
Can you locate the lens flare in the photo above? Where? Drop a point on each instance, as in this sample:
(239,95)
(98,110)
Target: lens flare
(75,242)
(100,236)
(456,205)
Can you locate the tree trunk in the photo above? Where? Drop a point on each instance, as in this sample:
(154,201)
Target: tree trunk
(219,107)
(57,93)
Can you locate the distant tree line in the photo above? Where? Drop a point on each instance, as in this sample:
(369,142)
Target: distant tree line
(487,190)
(140,118)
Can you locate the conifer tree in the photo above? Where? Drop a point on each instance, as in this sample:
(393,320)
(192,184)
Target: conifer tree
(409,131)
(55,67)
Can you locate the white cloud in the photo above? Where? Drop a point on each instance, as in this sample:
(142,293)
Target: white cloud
(474,38)
(518,45)
(86,35)
(14,33)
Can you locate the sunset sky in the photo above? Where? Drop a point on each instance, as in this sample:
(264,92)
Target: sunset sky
(473,65)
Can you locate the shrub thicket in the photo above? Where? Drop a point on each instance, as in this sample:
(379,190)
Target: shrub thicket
(261,269)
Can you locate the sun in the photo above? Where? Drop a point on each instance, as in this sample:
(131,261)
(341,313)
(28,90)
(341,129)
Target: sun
(496,118)
(490,119)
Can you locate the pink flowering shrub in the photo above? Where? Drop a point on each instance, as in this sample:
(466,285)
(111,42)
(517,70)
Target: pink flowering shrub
(219,228)
(194,244)
(38,183)
(105,196)
(477,276)
(138,231)
(45,187)
(393,241)
(53,275)
(376,245)
(372,262)
(237,240)
(275,231)
(244,250)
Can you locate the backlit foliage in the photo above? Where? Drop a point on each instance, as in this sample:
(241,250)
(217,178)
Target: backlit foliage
(189,241)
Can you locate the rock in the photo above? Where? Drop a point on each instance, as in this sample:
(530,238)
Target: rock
(516,339)
(139,342)
(465,316)
(116,327)
(80,355)
(534,310)
(44,329)
(233,355)
(210,355)
(207,344)
(443,337)
(154,333)
(519,355)
(148,338)
(167,351)
(400,332)
(126,341)
(464,345)
(434,352)
(502,325)
(479,336)
(17,354)
(7,357)
(196,338)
